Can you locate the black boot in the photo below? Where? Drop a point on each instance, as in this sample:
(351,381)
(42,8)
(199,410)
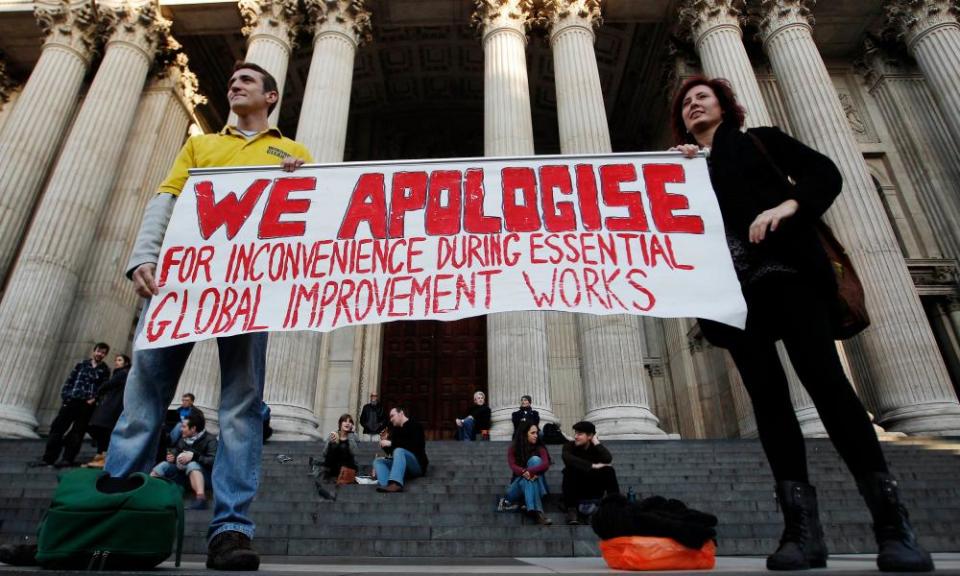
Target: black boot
(232,551)
(801,546)
(899,550)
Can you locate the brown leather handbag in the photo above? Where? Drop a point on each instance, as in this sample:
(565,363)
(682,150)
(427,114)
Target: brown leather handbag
(347,476)
(850,305)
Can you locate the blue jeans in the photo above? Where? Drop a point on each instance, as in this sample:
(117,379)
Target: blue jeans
(532,491)
(151,384)
(171,472)
(402,465)
(465,432)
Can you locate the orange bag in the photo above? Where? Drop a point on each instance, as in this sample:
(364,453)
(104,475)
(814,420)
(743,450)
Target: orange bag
(649,553)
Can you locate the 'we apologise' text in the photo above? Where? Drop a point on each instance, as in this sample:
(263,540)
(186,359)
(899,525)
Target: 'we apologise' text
(549,229)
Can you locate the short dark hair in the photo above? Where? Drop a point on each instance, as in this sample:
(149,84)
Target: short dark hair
(190,396)
(195,419)
(527,398)
(732,111)
(269,82)
(586,427)
(400,409)
(102,346)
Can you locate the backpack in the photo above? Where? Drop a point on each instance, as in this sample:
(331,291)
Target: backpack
(98,522)
(551,434)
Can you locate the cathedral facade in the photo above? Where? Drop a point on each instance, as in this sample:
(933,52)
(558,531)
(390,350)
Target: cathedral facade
(97,96)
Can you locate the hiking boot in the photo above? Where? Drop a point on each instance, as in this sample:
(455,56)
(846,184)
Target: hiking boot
(899,550)
(391,488)
(232,551)
(573,519)
(801,545)
(98,461)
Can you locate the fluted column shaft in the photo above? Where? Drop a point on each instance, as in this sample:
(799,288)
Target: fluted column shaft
(41,289)
(293,358)
(932,34)
(517,362)
(105,303)
(32,133)
(714,27)
(616,390)
(922,138)
(904,375)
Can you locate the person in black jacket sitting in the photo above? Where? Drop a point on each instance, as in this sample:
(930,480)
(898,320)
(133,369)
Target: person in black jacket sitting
(193,457)
(406,449)
(587,470)
(477,419)
(525,414)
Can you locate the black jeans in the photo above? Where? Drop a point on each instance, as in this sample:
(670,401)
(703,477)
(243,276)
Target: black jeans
(102,437)
(580,485)
(67,430)
(804,324)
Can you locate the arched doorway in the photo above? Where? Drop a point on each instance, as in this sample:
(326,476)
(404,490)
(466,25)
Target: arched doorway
(432,368)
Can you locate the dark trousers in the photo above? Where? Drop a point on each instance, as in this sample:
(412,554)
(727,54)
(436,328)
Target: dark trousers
(67,430)
(580,485)
(101,436)
(807,336)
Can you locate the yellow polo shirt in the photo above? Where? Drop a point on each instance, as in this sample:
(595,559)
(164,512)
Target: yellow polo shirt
(231,148)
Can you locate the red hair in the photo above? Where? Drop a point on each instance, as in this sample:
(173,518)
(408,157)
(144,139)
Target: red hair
(732,111)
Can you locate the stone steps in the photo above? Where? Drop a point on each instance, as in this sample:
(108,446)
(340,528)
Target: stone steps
(451,512)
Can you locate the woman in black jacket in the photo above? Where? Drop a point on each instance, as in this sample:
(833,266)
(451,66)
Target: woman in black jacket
(772,191)
(476,420)
(107,412)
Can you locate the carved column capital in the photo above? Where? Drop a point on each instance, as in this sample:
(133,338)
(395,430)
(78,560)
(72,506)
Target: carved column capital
(348,17)
(879,60)
(185,82)
(696,18)
(911,20)
(141,25)
(278,19)
(773,16)
(7,84)
(70,24)
(559,15)
(493,15)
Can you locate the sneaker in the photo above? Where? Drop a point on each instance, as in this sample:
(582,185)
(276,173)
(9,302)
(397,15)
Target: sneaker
(232,551)
(505,505)
(573,519)
(539,518)
(198,504)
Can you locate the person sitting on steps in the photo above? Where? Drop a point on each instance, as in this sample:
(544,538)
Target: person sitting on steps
(529,461)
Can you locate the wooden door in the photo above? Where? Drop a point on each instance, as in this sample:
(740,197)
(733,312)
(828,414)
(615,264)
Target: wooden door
(432,368)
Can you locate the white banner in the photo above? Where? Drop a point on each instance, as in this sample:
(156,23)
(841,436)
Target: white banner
(337,245)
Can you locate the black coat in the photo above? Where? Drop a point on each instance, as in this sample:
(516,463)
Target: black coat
(110,400)
(746,183)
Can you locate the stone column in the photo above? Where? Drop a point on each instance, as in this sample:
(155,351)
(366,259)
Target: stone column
(904,376)
(517,361)
(922,138)
(31,134)
(105,304)
(932,34)
(616,390)
(714,28)
(271,26)
(41,289)
(293,358)
(563,358)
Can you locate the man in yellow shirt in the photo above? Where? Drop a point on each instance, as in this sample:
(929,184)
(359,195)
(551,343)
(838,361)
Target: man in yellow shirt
(152,381)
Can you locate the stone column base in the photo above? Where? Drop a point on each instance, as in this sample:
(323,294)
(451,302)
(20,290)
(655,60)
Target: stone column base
(17,423)
(626,423)
(930,419)
(293,423)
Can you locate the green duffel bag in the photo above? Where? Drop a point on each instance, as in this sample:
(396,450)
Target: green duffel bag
(102,523)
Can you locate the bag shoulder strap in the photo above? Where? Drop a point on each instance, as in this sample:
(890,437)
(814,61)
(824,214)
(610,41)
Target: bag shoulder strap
(762,148)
